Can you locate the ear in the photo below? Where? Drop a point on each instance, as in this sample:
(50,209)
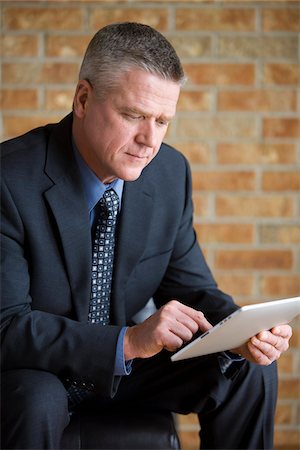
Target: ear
(81,97)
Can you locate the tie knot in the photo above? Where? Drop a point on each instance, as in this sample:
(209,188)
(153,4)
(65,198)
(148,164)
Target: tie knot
(110,202)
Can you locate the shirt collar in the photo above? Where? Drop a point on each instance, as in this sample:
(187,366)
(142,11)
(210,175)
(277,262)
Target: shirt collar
(93,187)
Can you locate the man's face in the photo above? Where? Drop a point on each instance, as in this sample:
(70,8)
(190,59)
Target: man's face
(120,135)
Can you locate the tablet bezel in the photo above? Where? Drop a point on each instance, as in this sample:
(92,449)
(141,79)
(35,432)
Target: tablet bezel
(240,326)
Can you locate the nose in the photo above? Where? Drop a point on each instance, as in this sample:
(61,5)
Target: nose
(147,134)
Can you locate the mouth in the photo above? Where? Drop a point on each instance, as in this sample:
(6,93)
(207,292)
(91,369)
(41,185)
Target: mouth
(137,157)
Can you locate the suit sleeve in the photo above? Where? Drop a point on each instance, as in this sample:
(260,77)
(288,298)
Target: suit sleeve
(188,276)
(36,339)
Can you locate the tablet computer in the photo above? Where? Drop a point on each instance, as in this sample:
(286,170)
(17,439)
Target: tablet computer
(240,326)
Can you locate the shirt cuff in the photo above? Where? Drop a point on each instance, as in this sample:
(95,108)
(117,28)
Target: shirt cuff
(230,363)
(122,367)
(233,356)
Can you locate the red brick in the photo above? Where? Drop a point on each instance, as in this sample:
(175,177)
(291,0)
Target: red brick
(287,439)
(59,99)
(295,339)
(277,286)
(280,234)
(286,363)
(282,73)
(243,153)
(216,127)
(32,73)
(187,419)
(225,233)
(195,101)
(289,388)
(281,19)
(281,181)
(235,284)
(264,46)
(284,414)
(263,100)
(281,127)
(196,152)
(254,259)
(201,205)
(59,73)
(298,415)
(46,18)
(16,125)
(18,45)
(228,181)
(192,46)
(155,17)
(19,99)
(66,45)
(189,440)
(215,19)
(206,253)
(220,74)
(254,206)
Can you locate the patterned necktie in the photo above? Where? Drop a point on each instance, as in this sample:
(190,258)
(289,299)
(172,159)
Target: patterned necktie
(103,256)
(103,241)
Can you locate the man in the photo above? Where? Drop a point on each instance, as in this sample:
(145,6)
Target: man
(76,271)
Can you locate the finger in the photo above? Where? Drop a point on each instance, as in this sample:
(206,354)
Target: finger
(197,316)
(285,331)
(277,341)
(258,356)
(187,321)
(268,336)
(173,343)
(269,351)
(185,314)
(175,317)
(203,323)
(183,331)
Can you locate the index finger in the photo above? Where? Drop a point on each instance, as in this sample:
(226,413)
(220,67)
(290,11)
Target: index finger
(197,316)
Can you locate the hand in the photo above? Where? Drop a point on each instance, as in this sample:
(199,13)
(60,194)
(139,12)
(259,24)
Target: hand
(168,328)
(266,346)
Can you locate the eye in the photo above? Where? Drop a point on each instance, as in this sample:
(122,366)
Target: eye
(133,116)
(162,123)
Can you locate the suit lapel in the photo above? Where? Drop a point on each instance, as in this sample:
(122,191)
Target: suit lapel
(135,219)
(67,202)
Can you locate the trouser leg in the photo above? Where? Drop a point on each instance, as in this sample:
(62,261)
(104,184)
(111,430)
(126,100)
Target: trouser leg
(244,419)
(235,412)
(34,410)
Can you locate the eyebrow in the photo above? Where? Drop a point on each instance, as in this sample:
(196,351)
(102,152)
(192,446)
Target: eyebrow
(133,110)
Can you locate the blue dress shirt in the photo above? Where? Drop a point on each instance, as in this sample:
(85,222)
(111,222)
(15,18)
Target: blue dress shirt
(94,190)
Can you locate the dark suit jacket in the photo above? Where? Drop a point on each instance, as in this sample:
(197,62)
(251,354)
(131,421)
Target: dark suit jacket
(46,251)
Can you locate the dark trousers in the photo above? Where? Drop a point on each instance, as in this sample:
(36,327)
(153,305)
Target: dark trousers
(236,410)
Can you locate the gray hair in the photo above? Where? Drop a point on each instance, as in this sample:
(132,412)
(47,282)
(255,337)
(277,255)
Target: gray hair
(121,47)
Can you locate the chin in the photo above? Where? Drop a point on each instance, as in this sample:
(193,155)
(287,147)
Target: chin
(130,175)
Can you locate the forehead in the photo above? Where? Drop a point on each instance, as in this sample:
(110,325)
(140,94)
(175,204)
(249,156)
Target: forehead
(147,93)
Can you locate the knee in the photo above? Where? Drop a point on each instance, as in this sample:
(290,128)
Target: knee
(262,380)
(37,394)
(268,374)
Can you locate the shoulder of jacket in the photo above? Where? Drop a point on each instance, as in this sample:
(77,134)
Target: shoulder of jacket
(169,161)
(169,156)
(29,146)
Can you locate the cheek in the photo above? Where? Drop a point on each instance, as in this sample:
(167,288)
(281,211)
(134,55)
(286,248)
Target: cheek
(154,153)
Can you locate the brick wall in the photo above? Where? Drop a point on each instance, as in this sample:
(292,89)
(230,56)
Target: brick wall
(238,123)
